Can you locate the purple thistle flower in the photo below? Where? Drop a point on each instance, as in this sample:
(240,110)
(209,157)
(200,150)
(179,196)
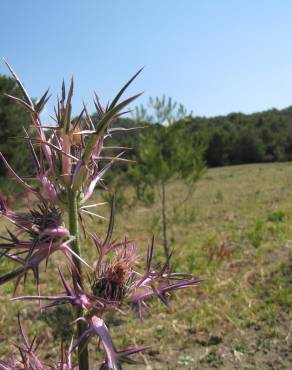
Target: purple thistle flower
(43,223)
(69,163)
(42,235)
(117,281)
(74,295)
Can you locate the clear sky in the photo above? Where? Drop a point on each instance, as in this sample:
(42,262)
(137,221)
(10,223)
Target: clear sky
(214,56)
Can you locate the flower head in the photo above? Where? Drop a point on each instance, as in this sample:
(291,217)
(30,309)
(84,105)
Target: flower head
(38,234)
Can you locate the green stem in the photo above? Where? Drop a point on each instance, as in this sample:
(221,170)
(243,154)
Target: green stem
(74,231)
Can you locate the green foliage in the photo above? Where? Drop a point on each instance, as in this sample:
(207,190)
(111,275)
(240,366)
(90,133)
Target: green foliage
(240,138)
(277,216)
(214,359)
(164,150)
(160,110)
(13,118)
(256,235)
(233,139)
(247,148)
(185,360)
(164,153)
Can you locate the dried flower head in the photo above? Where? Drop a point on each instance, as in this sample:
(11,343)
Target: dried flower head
(113,280)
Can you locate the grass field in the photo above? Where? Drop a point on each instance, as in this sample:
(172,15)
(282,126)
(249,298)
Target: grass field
(236,234)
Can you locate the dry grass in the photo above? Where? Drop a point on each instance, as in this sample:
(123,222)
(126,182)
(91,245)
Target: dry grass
(236,234)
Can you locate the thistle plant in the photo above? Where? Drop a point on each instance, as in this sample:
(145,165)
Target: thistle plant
(70,160)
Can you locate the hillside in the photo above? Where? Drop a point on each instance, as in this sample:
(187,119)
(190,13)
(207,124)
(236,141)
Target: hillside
(236,234)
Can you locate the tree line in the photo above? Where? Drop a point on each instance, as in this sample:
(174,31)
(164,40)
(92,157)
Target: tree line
(236,138)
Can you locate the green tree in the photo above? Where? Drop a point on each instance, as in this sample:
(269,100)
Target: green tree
(248,148)
(164,152)
(12,118)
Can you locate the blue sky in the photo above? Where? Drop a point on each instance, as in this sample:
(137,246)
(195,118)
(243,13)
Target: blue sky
(214,56)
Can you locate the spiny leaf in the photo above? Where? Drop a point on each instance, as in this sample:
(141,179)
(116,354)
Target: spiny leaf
(67,117)
(88,118)
(102,125)
(78,119)
(111,223)
(33,153)
(42,102)
(22,102)
(98,107)
(116,99)
(23,335)
(119,129)
(19,83)
(63,94)
(111,113)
